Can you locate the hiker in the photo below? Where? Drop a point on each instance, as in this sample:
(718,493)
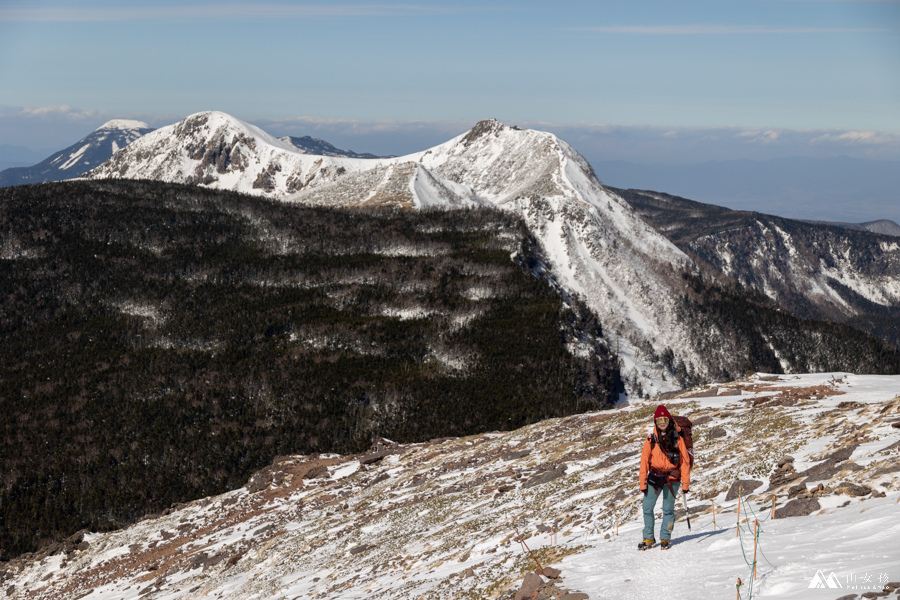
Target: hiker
(665,466)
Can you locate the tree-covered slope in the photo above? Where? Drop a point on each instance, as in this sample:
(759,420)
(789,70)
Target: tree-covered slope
(162,342)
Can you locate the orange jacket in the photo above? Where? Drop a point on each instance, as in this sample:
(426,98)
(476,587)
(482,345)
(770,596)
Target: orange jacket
(657,458)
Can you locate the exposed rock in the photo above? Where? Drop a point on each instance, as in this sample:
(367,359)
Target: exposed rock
(748,485)
(845,452)
(819,490)
(206,560)
(800,507)
(75,542)
(515,455)
(374,457)
(550,572)
(360,549)
(529,586)
(830,466)
(554,472)
(787,459)
(853,490)
(785,473)
(316,472)
(380,478)
(716,432)
(798,491)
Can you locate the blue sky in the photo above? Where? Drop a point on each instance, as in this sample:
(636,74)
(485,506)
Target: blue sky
(658,81)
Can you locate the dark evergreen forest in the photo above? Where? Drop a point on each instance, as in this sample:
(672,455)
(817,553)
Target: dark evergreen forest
(163,342)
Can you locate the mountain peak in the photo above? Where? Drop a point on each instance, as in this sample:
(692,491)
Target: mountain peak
(484,128)
(123,124)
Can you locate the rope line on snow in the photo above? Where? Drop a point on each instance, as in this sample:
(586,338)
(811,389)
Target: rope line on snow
(757,530)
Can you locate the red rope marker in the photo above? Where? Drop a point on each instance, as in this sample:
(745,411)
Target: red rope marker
(521,540)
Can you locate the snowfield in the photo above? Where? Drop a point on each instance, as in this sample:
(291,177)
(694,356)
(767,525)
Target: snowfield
(442,519)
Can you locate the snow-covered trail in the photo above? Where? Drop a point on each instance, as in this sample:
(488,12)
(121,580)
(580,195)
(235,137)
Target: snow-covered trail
(857,543)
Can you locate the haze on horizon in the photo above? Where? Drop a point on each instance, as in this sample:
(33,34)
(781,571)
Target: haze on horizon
(651,83)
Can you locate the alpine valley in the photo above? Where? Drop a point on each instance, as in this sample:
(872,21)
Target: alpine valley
(213,296)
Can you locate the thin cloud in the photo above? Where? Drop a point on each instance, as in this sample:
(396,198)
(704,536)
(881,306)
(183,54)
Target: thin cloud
(214,11)
(856,137)
(757,136)
(713,29)
(62,111)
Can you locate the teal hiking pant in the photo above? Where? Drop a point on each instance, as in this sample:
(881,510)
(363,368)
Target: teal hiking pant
(668,505)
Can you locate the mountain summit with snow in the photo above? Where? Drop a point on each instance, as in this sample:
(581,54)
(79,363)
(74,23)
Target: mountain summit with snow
(595,244)
(81,157)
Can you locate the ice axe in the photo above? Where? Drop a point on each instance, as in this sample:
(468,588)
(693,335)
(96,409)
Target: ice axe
(687,513)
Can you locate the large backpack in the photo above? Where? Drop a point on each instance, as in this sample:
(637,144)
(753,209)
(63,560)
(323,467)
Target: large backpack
(683,430)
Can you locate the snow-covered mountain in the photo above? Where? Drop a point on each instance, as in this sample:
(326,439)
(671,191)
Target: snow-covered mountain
(594,243)
(312,145)
(881,226)
(470,517)
(821,270)
(84,155)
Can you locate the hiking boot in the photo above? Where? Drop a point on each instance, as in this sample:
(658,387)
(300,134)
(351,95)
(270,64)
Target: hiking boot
(665,544)
(646,544)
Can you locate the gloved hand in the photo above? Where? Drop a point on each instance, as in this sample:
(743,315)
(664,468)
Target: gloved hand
(685,492)
(644,491)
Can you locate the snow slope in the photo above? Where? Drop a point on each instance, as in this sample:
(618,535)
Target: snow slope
(441,519)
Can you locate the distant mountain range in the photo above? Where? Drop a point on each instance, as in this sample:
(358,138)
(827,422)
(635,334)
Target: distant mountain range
(848,190)
(81,156)
(882,226)
(311,145)
(597,245)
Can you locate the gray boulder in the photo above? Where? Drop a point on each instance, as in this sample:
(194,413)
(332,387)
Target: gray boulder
(748,485)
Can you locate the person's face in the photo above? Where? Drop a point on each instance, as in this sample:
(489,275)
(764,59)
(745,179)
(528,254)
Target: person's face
(662,423)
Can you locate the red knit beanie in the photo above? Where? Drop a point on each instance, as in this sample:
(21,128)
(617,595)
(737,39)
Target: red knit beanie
(661,411)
